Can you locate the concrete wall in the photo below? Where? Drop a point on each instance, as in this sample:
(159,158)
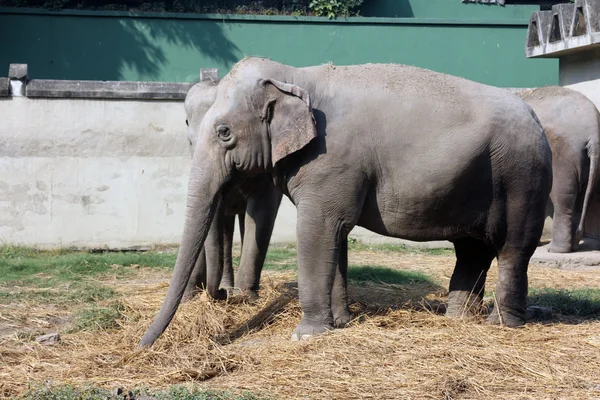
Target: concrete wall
(581,71)
(92,173)
(78,169)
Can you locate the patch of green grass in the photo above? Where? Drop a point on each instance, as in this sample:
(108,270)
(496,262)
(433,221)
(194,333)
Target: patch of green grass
(66,392)
(378,274)
(357,245)
(177,392)
(279,258)
(85,292)
(582,303)
(182,393)
(39,268)
(97,318)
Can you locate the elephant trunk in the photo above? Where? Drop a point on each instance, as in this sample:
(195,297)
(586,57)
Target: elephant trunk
(203,191)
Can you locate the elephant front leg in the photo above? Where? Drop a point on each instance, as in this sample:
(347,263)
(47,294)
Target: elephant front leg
(318,255)
(339,295)
(467,285)
(215,256)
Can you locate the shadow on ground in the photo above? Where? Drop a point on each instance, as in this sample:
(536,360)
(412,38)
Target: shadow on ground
(376,290)
(568,306)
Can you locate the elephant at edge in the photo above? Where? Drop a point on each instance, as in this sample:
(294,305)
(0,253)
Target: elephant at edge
(572,125)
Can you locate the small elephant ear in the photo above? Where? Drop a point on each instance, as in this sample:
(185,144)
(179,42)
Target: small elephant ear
(290,117)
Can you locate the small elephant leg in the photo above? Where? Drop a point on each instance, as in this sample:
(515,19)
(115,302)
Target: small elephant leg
(339,294)
(215,259)
(197,281)
(564,196)
(467,285)
(261,211)
(228,227)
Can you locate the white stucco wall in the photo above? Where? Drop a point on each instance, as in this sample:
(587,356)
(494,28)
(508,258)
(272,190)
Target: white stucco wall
(581,72)
(91,173)
(101,173)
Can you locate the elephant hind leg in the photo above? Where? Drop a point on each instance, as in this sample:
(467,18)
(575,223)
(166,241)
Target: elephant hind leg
(467,285)
(524,223)
(564,196)
(339,293)
(197,281)
(228,227)
(510,299)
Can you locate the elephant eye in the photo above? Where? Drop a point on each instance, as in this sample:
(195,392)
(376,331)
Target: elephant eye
(224,133)
(186,122)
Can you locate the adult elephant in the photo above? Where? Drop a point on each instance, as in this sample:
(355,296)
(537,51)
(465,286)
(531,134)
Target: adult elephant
(572,125)
(255,201)
(399,150)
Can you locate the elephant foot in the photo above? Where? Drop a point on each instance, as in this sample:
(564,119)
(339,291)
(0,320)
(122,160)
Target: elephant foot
(559,248)
(342,319)
(463,305)
(218,295)
(239,295)
(190,293)
(509,318)
(305,330)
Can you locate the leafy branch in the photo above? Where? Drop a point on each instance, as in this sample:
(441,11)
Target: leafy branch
(334,8)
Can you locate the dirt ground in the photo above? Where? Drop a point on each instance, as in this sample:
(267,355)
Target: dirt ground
(399,345)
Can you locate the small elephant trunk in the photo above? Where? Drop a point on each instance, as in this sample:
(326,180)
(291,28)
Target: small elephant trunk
(203,191)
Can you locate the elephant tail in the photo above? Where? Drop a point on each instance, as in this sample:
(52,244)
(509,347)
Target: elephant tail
(592,148)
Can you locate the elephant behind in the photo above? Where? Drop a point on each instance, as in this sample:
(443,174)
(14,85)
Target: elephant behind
(402,151)
(572,125)
(255,201)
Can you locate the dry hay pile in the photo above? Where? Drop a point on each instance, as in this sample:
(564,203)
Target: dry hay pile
(389,351)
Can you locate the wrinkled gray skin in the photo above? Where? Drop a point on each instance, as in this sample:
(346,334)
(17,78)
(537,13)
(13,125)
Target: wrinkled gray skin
(572,125)
(399,150)
(255,201)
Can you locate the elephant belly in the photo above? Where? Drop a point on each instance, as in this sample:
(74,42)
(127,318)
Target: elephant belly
(444,213)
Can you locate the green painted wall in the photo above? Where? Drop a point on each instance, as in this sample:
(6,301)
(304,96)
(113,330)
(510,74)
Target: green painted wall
(479,42)
(444,9)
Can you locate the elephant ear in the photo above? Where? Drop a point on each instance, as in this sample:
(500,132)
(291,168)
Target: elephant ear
(290,118)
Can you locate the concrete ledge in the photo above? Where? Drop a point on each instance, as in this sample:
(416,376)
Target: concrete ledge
(566,29)
(4,85)
(107,89)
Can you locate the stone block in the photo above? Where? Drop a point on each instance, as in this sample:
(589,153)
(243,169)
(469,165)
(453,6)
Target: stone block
(17,72)
(562,19)
(593,15)
(49,339)
(108,89)
(579,21)
(538,32)
(209,74)
(4,87)
(542,21)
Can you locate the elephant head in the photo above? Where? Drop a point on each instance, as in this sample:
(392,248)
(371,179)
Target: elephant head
(197,102)
(253,124)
